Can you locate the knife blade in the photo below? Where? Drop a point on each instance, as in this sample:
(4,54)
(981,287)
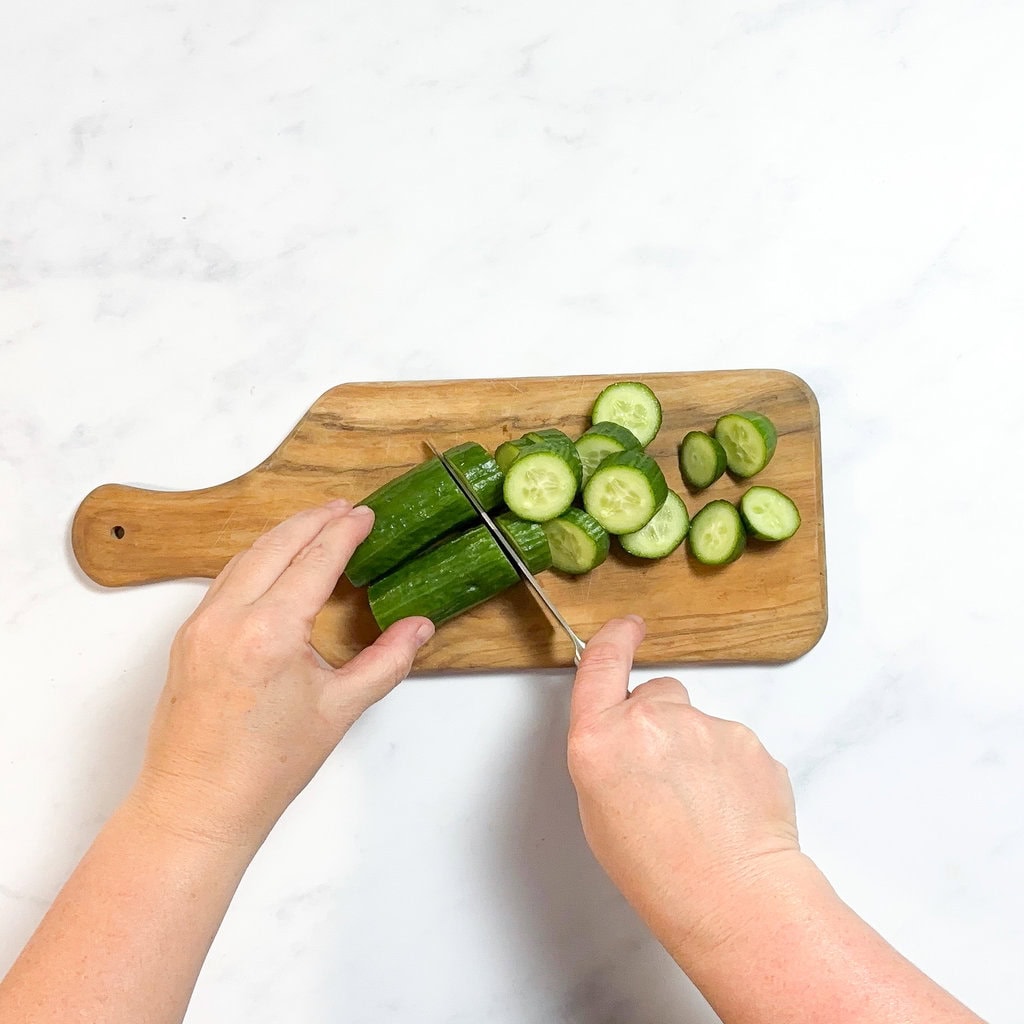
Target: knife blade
(506,546)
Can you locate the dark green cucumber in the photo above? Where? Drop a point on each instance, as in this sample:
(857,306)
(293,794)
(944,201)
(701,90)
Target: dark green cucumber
(717,536)
(540,484)
(749,440)
(508,451)
(561,443)
(578,541)
(458,574)
(625,491)
(419,506)
(632,405)
(769,514)
(601,440)
(528,539)
(663,534)
(702,460)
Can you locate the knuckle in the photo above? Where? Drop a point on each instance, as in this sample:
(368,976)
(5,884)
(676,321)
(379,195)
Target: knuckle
(586,750)
(601,656)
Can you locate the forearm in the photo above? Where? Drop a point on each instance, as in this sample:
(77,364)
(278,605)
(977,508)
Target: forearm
(126,937)
(791,951)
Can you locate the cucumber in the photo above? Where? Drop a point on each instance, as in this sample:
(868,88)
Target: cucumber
(540,484)
(528,539)
(561,443)
(458,574)
(663,534)
(419,506)
(749,440)
(577,540)
(632,405)
(769,514)
(625,491)
(702,459)
(601,440)
(717,536)
(508,451)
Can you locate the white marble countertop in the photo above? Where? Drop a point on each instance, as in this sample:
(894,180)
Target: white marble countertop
(210,213)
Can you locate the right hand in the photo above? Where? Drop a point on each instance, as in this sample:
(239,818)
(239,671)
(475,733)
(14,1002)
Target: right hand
(683,811)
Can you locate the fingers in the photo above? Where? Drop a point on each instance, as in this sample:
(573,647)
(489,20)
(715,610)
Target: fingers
(304,586)
(603,673)
(376,670)
(664,688)
(257,568)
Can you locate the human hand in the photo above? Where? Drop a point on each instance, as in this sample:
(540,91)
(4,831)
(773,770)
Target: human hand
(249,711)
(685,812)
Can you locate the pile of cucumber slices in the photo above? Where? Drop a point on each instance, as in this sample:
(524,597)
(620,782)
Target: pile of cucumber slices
(565,500)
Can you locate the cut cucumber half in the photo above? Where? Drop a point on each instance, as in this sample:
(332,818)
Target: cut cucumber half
(527,539)
(540,484)
(702,460)
(561,443)
(717,536)
(749,440)
(769,514)
(600,441)
(663,534)
(508,451)
(632,405)
(450,578)
(578,541)
(625,491)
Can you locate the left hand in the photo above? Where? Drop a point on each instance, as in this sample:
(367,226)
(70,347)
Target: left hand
(249,711)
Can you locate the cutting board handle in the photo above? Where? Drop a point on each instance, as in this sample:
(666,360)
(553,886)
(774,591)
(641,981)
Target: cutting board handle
(123,535)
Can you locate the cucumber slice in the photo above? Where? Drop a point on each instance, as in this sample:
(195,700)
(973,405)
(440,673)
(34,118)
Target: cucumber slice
(578,541)
(600,441)
(632,405)
(508,451)
(459,573)
(702,460)
(749,440)
(561,443)
(717,536)
(540,484)
(663,534)
(528,539)
(625,491)
(769,514)
(419,506)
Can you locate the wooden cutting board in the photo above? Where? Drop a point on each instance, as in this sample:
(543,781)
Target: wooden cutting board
(768,606)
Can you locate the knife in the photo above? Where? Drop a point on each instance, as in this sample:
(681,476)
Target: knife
(510,551)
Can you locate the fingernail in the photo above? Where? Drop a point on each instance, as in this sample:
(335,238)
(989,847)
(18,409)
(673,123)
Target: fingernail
(424,633)
(636,619)
(339,505)
(362,510)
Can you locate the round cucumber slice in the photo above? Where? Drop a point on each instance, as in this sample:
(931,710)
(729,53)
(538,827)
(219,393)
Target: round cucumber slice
(717,536)
(561,443)
(540,484)
(600,441)
(625,491)
(663,534)
(702,460)
(749,440)
(577,540)
(769,514)
(632,405)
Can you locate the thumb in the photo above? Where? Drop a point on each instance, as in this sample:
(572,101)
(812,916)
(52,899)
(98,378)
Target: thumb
(376,670)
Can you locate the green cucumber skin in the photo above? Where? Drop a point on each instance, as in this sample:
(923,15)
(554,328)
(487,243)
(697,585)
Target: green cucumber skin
(560,442)
(528,539)
(705,444)
(606,437)
(449,579)
(577,519)
(419,506)
(508,451)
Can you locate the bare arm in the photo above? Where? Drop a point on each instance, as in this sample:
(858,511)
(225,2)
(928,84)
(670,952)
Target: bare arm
(246,718)
(694,821)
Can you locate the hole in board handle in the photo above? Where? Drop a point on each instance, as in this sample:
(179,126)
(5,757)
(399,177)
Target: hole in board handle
(117,532)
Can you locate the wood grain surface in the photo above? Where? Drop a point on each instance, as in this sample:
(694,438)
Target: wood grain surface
(768,606)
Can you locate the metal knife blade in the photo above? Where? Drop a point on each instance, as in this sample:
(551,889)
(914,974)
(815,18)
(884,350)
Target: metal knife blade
(510,551)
